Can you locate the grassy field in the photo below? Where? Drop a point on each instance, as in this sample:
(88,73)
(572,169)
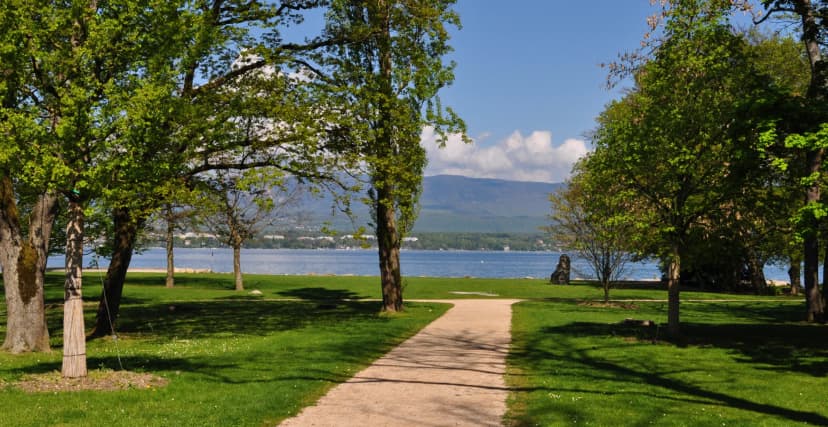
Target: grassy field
(237,359)
(740,363)
(230,359)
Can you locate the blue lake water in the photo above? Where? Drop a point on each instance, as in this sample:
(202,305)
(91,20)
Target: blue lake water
(365,263)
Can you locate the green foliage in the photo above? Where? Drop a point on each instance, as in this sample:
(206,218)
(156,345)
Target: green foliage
(592,217)
(672,142)
(388,81)
(237,206)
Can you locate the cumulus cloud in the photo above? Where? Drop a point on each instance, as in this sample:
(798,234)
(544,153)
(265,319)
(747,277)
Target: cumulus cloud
(519,157)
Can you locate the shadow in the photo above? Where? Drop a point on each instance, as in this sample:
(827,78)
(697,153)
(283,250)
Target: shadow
(320,294)
(761,344)
(799,348)
(784,311)
(215,281)
(235,317)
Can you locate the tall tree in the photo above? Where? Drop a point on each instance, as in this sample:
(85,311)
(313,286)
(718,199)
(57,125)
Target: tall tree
(808,132)
(224,74)
(388,78)
(26,196)
(675,139)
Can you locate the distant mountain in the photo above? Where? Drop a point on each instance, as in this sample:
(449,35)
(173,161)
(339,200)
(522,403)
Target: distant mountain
(456,203)
(460,204)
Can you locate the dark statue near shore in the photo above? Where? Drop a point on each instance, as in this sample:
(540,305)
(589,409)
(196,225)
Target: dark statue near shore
(561,274)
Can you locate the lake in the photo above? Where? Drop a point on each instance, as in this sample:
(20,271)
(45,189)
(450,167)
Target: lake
(489,264)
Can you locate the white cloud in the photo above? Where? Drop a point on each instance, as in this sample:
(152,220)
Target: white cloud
(523,158)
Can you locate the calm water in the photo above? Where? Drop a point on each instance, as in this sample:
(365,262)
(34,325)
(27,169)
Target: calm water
(365,263)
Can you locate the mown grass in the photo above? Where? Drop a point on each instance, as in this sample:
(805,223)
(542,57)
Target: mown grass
(738,363)
(141,288)
(237,359)
(230,359)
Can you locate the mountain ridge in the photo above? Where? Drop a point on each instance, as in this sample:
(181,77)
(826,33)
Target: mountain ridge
(454,203)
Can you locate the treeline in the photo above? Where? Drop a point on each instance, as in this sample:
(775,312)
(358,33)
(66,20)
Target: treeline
(417,241)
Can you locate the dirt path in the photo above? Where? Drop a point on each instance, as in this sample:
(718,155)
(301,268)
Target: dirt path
(449,374)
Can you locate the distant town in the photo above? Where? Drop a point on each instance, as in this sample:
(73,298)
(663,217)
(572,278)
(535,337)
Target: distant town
(317,239)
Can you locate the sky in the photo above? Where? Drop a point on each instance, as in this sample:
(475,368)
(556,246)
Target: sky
(529,84)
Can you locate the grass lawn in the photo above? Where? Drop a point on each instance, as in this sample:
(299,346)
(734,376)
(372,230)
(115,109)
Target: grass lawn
(742,363)
(236,359)
(230,359)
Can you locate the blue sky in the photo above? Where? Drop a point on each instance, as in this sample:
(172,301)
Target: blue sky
(529,84)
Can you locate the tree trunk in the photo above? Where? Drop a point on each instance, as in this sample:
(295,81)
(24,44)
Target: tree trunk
(388,242)
(795,274)
(170,282)
(24,269)
(673,284)
(237,273)
(816,92)
(388,237)
(74,341)
(606,286)
(813,298)
(126,233)
(756,268)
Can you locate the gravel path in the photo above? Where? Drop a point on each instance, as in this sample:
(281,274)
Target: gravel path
(449,374)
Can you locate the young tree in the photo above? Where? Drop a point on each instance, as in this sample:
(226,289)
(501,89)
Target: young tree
(590,218)
(238,206)
(387,81)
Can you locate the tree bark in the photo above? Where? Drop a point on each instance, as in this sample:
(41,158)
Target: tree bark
(24,269)
(673,288)
(814,157)
(237,274)
(170,281)
(795,273)
(756,268)
(388,242)
(813,299)
(126,233)
(388,237)
(74,341)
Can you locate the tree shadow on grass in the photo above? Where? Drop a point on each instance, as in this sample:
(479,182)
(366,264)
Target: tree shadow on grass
(320,294)
(215,281)
(771,312)
(236,317)
(756,343)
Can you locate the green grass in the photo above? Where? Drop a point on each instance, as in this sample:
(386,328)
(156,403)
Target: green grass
(742,363)
(356,287)
(230,359)
(237,359)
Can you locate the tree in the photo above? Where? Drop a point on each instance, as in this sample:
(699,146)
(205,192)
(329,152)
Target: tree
(25,197)
(224,75)
(387,80)
(588,218)
(238,206)
(675,139)
(74,65)
(808,132)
